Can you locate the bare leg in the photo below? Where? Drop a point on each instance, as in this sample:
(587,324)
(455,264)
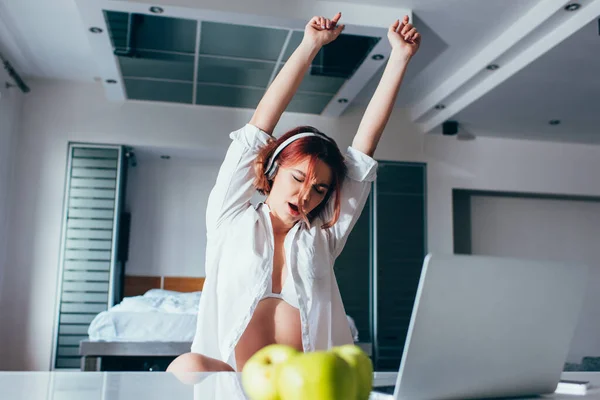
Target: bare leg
(194,362)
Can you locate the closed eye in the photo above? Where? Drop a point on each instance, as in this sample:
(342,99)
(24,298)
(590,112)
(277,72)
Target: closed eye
(318,188)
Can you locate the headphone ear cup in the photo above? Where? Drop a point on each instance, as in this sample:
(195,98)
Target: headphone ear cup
(273,171)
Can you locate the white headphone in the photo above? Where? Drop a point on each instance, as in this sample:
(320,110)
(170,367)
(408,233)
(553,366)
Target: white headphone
(272,166)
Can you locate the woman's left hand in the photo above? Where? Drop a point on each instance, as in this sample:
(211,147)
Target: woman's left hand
(321,30)
(404,38)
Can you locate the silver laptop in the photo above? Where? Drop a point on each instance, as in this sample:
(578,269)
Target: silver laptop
(485,327)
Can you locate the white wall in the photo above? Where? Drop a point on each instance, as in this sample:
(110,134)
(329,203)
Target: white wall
(167,200)
(58,112)
(502,165)
(554,230)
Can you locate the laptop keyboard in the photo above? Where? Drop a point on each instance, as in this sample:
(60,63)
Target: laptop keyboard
(383,385)
(384,389)
(380,396)
(382,393)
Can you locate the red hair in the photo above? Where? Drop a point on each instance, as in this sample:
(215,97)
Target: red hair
(313,148)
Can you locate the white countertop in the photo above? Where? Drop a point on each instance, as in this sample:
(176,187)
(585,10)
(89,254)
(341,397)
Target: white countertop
(166,386)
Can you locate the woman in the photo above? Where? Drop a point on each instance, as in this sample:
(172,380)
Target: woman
(269,268)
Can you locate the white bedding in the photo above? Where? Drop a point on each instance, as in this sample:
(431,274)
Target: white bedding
(157,316)
(142,327)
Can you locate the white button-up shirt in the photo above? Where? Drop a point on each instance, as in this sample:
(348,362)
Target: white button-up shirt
(239,254)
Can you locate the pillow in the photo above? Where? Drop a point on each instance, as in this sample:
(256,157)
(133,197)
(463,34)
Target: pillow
(160,293)
(160,300)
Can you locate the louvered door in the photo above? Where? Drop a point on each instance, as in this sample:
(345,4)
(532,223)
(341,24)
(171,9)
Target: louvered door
(90,274)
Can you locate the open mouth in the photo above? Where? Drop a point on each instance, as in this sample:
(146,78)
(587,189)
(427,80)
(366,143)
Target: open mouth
(293,209)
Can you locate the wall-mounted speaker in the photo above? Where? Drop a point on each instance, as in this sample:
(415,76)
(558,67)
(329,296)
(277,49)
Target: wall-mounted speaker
(450,128)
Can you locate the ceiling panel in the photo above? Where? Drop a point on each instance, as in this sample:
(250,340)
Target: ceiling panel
(118,25)
(152,90)
(158,65)
(309,103)
(339,58)
(318,83)
(234,65)
(139,31)
(234,72)
(241,41)
(228,96)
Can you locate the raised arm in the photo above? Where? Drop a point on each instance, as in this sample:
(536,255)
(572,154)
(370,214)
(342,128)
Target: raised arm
(233,188)
(405,41)
(362,168)
(318,32)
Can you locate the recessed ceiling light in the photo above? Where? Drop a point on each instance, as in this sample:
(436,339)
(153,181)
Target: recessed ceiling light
(342,101)
(157,10)
(378,57)
(572,7)
(165,157)
(95,29)
(440,107)
(112,81)
(554,122)
(493,67)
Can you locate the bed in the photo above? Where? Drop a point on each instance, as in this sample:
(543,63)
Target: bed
(154,324)
(147,330)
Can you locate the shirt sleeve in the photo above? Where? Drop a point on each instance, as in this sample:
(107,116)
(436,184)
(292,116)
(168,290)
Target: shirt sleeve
(233,189)
(362,171)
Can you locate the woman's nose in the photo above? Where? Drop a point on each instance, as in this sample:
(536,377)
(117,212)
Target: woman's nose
(305,197)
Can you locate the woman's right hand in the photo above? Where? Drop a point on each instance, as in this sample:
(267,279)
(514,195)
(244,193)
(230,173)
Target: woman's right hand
(404,38)
(320,30)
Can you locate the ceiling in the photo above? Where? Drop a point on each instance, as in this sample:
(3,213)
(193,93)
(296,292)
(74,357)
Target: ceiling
(223,64)
(547,58)
(562,85)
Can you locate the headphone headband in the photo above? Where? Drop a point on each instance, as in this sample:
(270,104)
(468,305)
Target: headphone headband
(283,145)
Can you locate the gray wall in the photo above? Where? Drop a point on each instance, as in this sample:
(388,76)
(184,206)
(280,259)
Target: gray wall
(544,229)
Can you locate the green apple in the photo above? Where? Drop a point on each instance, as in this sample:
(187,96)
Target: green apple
(319,375)
(259,376)
(362,367)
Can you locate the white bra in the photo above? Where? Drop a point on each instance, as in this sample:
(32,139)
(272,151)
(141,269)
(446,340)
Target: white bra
(288,292)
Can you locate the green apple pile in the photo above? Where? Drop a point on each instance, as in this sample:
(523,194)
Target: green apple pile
(279,372)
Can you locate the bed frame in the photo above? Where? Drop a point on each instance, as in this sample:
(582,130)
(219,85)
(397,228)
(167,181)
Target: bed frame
(138,285)
(144,356)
